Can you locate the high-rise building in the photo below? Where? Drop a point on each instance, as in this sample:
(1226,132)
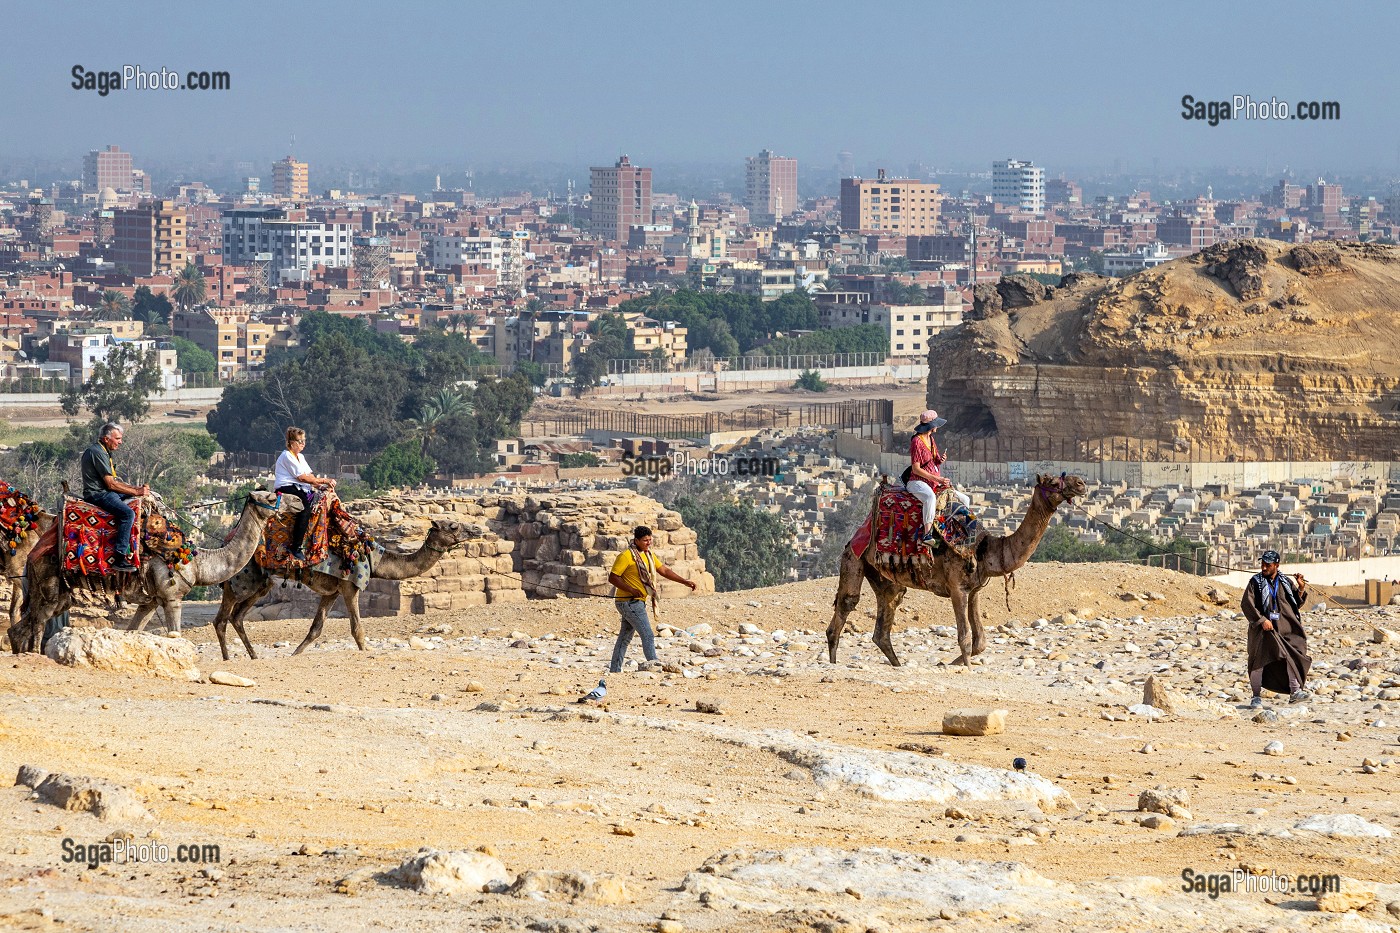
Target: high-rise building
(289,179)
(149,239)
(902,206)
(621,198)
(107,168)
(771,191)
(292,249)
(1019,186)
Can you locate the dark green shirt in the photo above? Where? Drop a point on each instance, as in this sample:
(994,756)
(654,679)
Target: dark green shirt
(97,463)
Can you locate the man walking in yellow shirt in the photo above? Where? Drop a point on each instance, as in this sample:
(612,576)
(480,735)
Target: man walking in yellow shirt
(634,574)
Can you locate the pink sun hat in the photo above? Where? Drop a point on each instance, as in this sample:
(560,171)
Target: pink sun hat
(930,420)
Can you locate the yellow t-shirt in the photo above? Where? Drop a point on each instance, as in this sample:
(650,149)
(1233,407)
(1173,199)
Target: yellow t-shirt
(626,568)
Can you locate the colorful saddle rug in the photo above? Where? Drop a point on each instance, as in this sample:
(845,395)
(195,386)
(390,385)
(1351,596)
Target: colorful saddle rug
(165,541)
(331,532)
(899,523)
(18,515)
(86,534)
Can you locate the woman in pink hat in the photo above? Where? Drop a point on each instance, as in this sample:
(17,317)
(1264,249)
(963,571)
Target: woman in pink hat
(922,477)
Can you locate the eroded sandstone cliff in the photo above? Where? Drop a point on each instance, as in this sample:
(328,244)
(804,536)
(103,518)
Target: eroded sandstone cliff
(1255,348)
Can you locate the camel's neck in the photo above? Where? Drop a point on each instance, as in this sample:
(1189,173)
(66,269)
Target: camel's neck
(219,564)
(391,566)
(1005,554)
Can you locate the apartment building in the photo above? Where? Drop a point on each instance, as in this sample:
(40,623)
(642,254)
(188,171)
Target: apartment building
(909,327)
(1019,186)
(107,168)
(620,199)
(149,239)
(291,248)
(650,335)
(83,348)
(291,179)
(900,206)
(771,188)
(238,339)
(447,251)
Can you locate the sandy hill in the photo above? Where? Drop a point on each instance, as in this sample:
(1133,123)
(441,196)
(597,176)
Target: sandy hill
(1254,347)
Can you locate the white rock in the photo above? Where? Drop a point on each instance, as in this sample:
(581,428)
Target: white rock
(104,799)
(231,680)
(435,872)
(1342,824)
(124,652)
(1274,748)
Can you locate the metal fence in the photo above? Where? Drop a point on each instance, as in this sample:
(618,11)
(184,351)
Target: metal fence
(752,363)
(1010,449)
(851,415)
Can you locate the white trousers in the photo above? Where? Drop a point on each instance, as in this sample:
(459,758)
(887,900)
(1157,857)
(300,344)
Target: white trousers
(927,496)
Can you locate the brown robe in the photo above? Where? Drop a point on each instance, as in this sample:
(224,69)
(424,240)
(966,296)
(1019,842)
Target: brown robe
(1287,643)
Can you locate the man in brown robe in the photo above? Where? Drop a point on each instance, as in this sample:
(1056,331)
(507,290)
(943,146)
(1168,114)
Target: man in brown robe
(1278,646)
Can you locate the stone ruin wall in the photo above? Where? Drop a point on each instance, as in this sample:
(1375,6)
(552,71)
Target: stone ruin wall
(527,546)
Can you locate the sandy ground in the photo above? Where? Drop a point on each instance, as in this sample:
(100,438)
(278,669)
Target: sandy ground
(817,799)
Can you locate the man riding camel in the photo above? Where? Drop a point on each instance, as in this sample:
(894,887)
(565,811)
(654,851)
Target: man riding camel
(102,489)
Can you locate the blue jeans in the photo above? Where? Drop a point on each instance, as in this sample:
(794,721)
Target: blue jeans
(114,504)
(634,618)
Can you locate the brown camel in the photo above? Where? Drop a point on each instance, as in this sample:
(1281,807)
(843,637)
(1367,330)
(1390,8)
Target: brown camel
(947,574)
(14,563)
(254,582)
(47,596)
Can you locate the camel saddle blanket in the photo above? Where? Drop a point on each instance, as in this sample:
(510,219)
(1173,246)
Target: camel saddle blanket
(247,581)
(899,522)
(18,514)
(86,538)
(331,532)
(164,540)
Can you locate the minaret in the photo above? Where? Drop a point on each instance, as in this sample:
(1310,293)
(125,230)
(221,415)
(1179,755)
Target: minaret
(692,229)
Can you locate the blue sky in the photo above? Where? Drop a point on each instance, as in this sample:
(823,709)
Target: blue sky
(954,85)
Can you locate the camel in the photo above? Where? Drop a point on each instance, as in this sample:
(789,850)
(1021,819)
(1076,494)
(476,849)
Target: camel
(167,587)
(946,574)
(13,564)
(255,582)
(47,596)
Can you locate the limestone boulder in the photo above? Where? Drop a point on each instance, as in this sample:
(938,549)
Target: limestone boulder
(435,872)
(124,653)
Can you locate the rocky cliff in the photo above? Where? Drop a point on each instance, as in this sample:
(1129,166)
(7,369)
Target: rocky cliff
(1253,349)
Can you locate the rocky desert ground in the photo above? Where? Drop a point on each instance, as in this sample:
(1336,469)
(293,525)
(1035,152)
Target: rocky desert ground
(748,784)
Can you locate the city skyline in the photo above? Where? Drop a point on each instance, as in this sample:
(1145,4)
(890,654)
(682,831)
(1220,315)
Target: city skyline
(437,83)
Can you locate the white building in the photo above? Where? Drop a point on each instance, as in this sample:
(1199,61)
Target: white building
(82,350)
(1144,257)
(1019,185)
(292,248)
(909,326)
(447,251)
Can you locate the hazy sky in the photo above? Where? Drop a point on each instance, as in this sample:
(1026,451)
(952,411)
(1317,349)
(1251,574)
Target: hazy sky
(956,85)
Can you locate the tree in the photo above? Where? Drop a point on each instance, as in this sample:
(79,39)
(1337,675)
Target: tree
(445,404)
(188,289)
(149,308)
(535,372)
(400,464)
(743,546)
(113,306)
(192,358)
(118,387)
(812,381)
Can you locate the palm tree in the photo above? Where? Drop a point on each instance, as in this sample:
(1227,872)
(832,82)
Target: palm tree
(114,306)
(188,289)
(438,408)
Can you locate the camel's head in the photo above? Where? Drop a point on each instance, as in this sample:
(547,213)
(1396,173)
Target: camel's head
(1058,489)
(447,533)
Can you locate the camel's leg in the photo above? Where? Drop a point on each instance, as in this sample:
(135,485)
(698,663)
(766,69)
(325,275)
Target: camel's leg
(847,597)
(888,596)
(239,608)
(143,615)
(352,609)
(974,619)
(172,609)
(16,597)
(959,598)
(317,623)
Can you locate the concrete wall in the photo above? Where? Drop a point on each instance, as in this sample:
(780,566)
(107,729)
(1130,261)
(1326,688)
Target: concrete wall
(171,397)
(729,380)
(1335,573)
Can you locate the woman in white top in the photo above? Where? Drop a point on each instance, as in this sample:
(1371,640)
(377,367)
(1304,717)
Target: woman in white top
(294,477)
